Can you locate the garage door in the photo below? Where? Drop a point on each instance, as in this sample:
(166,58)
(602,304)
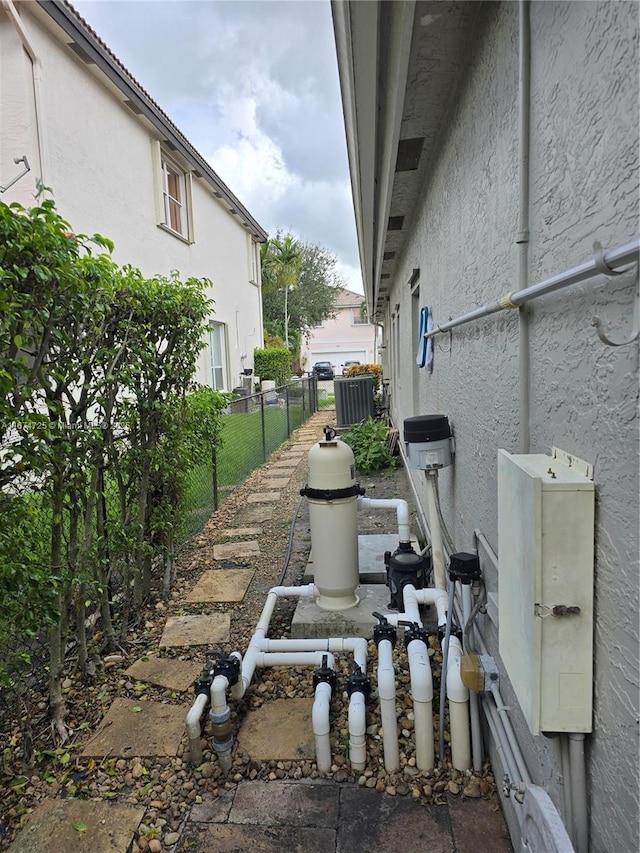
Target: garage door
(338,359)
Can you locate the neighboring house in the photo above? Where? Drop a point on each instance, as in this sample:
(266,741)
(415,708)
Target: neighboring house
(478,172)
(118,166)
(349,336)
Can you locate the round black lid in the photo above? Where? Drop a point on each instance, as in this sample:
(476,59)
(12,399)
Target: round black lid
(426,428)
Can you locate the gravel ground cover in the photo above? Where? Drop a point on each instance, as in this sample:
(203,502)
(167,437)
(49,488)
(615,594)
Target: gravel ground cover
(167,787)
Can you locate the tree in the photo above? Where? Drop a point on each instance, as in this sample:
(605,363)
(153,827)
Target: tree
(310,302)
(281,258)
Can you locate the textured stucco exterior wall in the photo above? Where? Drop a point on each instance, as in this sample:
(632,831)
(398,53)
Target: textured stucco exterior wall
(100,167)
(584,395)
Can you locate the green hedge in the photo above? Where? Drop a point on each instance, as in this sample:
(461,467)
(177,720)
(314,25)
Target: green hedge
(273,363)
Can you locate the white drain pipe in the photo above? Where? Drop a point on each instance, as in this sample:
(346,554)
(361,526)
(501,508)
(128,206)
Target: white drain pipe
(387,696)
(321,727)
(402,511)
(458,696)
(422,695)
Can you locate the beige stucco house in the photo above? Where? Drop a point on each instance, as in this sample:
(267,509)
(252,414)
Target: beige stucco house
(348,336)
(117,165)
(494,158)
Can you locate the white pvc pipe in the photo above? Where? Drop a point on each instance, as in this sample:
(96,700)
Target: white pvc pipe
(579,791)
(193,728)
(266,659)
(357,730)
(422,695)
(413,597)
(387,696)
(458,708)
(356,645)
(435,532)
(321,728)
(219,696)
(402,511)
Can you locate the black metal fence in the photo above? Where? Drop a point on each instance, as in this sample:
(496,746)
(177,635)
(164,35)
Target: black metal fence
(254,426)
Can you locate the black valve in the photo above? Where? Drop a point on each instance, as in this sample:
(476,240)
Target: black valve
(456,631)
(358,682)
(383,630)
(325,675)
(414,632)
(203,682)
(464,567)
(329,433)
(227,665)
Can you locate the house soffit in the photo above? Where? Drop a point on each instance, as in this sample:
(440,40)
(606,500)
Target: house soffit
(440,42)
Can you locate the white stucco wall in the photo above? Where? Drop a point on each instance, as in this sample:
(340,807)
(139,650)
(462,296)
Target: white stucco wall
(584,395)
(98,162)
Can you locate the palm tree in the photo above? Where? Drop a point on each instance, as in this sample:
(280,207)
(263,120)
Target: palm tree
(281,258)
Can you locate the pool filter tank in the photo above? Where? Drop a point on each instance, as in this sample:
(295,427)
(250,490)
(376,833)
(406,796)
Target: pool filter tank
(332,493)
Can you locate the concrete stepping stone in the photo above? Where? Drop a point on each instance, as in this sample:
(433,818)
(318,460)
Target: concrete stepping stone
(288,803)
(234,532)
(176,675)
(263,497)
(279,731)
(246,548)
(204,630)
(231,838)
(285,463)
(221,585)
(101,827)
(257,513)
(138,728)
(276,482)
(476,827)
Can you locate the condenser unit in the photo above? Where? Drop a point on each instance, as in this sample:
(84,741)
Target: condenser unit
(354,399)
(545,586)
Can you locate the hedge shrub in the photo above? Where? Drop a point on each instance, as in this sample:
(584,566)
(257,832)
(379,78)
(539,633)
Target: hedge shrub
(374,370)
(273,363)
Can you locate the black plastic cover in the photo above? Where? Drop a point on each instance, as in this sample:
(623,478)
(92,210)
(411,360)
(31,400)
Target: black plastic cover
(422,428)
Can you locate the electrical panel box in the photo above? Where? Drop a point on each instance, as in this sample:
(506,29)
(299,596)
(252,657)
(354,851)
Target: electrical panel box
(545,584)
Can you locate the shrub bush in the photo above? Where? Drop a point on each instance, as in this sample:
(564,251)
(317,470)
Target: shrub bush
(374,370)
(272,363)
(369,442)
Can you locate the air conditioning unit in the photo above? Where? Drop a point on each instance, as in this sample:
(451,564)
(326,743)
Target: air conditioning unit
(354,399)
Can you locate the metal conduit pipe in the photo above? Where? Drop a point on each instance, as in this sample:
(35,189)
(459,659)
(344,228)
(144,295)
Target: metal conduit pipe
(476,731)
(522,237)
(563,750)
(578,792)
(503,712)
(506,758)
(627,253)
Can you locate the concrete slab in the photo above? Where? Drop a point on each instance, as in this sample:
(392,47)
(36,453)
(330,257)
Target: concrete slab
(244,548)
(138,728)
(310,621)
(213,809)
(381,822)
(371,548)
(228,838)
(221,585)
(263,497)
(239,532)
(264,737)
(205,630)
(289,803)
(284,463)
(101,827)
(257,513)
(276,482)
(478,826)
(177,675)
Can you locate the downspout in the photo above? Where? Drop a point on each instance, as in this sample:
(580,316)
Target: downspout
(522,237)
(36,69)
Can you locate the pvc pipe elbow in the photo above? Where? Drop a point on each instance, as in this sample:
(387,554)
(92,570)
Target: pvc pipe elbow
(357,729)
(410,602)
(320,710)
(194,714)
(219,707)
(386,673)
(435,596)
(456,691)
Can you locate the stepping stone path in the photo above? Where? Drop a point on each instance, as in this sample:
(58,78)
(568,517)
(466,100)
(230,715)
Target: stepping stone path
(138,728)
(221,585)
(175,675)
(205,630)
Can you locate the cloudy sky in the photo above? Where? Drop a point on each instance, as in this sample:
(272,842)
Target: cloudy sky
(253,85)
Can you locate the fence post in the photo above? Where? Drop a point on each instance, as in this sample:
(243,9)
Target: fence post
(288,412)
(214,460)
(264,434)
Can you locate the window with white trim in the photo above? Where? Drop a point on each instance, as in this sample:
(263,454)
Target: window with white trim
(358,318)
(217,349)
(173,194)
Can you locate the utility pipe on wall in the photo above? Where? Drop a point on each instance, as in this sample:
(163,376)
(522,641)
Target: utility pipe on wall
(476,731)
(36,69)
(437,549)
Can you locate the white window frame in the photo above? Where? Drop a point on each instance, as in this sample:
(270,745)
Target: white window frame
(220,330)
(166,166)
(254,260)
(357,319)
